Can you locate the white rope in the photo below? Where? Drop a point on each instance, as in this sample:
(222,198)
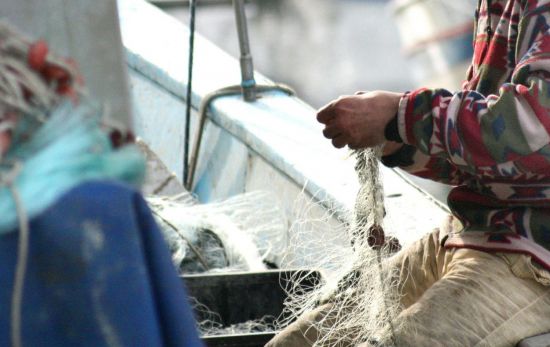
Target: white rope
(377,198)
(360,299)
(20,270)
(7,178)
(22,89)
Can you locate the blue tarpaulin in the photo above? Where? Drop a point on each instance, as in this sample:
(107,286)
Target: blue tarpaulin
(98,274)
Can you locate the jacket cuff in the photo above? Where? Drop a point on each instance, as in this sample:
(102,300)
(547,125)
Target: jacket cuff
(391,132)
(401,116)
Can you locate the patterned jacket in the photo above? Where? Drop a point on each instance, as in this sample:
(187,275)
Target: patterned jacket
(492,139)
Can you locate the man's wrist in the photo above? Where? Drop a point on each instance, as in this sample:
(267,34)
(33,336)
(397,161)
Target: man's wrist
(391,132)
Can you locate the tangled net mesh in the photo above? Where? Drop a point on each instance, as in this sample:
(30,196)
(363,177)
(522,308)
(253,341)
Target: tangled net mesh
(211,323)
(247,231)
(360,293)
(243,233)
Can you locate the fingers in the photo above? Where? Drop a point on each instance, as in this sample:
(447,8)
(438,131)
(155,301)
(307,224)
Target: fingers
(326,113)
(331,132)
(340,141)
(354,146)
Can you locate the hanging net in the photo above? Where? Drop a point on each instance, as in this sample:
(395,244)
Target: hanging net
(360,295)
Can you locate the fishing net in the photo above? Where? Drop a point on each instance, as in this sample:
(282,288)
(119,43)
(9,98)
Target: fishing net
(52,136)
(243,233)
(211,323)
(262,325)
(360,295)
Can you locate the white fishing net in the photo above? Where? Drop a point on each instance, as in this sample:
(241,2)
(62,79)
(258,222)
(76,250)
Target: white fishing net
(211,323)
(317,236)
(359,285)
(250,232)
(243,233)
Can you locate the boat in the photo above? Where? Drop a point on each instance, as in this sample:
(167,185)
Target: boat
(272,144)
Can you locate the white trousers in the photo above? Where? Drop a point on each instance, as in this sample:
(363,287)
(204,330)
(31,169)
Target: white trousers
(455,297)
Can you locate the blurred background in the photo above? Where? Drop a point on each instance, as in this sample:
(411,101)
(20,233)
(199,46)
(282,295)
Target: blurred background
(322,48)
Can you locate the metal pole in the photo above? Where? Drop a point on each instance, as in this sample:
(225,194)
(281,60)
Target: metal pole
(248,88)
(247,67)
(187,131)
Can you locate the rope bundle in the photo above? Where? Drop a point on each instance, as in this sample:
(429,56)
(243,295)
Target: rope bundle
(52,129)
(360,299)
(32,81)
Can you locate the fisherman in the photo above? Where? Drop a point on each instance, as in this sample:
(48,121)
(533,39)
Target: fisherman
(483,279)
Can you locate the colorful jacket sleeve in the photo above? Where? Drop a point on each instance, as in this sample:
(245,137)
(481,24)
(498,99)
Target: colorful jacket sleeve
(468,133)
(415,162)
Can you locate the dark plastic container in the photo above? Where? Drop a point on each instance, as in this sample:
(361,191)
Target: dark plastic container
(241,340)
(245,296)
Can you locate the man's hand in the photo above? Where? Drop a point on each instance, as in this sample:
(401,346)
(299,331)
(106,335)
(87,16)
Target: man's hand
(358,121)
